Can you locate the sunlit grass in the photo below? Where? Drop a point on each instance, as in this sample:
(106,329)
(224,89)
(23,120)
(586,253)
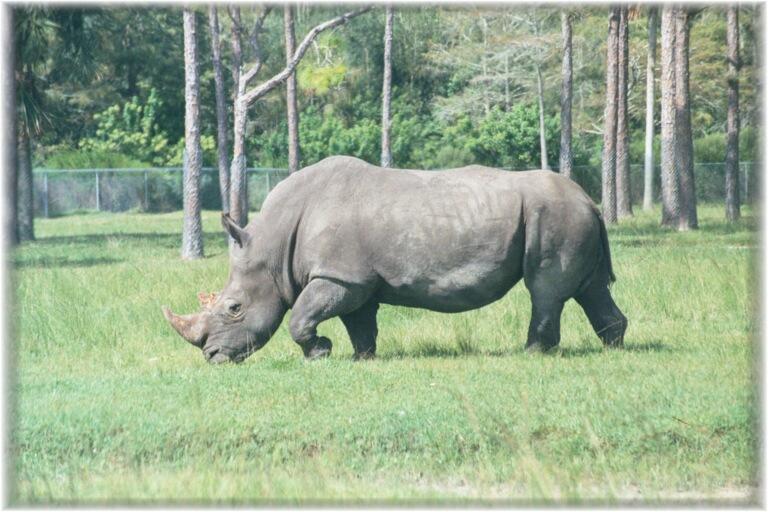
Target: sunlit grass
(112,406)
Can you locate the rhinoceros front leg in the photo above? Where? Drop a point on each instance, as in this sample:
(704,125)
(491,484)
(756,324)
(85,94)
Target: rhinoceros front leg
(320,300)
(362,329)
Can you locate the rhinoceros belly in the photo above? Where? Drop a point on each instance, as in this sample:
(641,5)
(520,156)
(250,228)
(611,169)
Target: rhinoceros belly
(452,251)
(462,288)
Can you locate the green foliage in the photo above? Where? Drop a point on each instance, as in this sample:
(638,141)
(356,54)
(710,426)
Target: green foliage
(319,80)
(132,130)
(111,406)
(323,133)
(511,139)
(207,145)
(711,148)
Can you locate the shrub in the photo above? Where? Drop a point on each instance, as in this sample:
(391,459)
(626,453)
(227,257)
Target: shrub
(132,130)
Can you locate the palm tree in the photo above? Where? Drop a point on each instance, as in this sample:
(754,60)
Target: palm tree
(294,147)
(683,134)
(732,192)
(678,191)
(39,34)
(192,233)
(386,93)
(623,189)
(649,104)
(670,190)
(221,108)
(34,31)
(566,97)
(611,111)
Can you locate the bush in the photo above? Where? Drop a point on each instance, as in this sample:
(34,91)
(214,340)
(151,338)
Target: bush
(132,130)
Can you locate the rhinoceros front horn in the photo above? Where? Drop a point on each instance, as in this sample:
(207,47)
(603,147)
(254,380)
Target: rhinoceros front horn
(192,328)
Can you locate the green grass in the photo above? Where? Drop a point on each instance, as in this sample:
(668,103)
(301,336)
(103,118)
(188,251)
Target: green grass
(110,405)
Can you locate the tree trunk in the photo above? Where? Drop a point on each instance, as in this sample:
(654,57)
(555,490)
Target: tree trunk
(238,207)
(192,234)
(649,107)
(670,191)
(221,110)
(507,102)
(10,135)
(609,132)
(732,192)
(542,133)
(237,174)
(294,149)
(386,93)
(566,97)
(26,204)
(623,185)
(484,64)
(683,134)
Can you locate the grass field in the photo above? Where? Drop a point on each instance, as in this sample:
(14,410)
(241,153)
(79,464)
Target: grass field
(111,406)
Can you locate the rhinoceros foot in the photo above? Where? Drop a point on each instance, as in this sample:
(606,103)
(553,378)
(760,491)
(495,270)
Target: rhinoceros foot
(319,349)
(541,348)
(364,356)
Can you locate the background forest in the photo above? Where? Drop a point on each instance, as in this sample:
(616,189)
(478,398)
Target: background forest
(110,86)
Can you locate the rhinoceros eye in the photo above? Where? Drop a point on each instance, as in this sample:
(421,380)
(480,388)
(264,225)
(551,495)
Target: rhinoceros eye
(234,309)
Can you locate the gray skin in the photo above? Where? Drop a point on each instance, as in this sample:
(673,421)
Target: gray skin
(342,236)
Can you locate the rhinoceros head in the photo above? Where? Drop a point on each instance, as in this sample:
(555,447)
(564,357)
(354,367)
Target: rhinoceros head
(239,320)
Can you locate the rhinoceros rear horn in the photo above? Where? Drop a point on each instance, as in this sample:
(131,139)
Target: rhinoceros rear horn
(236,232)
(192,328)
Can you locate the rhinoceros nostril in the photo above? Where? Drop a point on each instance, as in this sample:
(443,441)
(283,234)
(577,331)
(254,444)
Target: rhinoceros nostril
(211,351)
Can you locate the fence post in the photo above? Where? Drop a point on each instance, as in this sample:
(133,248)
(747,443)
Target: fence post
(45,194)
(98,194)
(146,191)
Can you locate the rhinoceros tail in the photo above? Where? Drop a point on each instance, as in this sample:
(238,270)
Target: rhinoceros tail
(606,248)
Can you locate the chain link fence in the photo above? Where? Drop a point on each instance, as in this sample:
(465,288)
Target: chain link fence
(64,191)
(709,181)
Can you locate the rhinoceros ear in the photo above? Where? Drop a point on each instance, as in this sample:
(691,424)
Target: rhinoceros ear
(236,232)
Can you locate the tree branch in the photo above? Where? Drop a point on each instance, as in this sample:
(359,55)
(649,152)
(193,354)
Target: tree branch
(257,26)
(253,38)
(254,94)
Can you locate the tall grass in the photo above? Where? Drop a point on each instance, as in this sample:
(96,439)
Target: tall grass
(112,406)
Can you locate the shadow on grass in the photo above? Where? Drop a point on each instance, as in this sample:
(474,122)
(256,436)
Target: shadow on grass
(52,262)
(652,234)
(214,242)
(430,350)
(587,350)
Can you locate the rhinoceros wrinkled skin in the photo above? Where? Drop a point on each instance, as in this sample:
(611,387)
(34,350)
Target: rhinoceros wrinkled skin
(342,236)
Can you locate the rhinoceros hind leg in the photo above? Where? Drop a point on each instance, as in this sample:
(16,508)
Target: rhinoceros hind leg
(362,329)
(604,315)
(320,300)
(544,329)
